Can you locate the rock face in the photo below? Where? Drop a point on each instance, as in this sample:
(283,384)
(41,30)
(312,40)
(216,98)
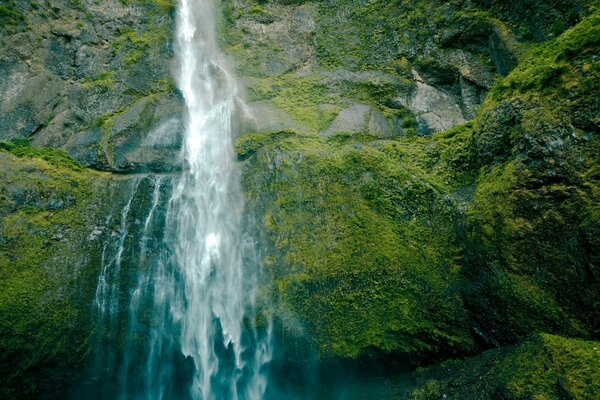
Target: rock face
(362,249)
(58,224)
(430,246)
(434,110)
(422,186)
(92,78)
(544,366)
(368,67)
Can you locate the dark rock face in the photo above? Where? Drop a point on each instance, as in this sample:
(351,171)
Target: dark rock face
(513,196)
(93,79)
(57,224)
(422,186)
(542,366)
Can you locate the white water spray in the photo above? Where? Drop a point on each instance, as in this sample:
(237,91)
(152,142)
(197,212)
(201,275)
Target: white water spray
(218,288)
(192,309)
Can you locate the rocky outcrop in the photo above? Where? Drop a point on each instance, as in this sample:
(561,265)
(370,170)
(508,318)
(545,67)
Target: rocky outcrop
(361,247)
(543,366)
(434,110)
(92,78)
(531,250)
(418,246)
(386,238)
(63,229)
(372,67)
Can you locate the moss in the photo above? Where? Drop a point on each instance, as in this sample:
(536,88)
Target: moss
(254,58)
(542,367)
(132,46)
(534,197)
(259,14)
(447,159)
(10,15)
(538,20)
(248,144)
(105,80)
(374,91)
(556,70)
(45,207)
(303,98)
(314,101)
(362,250)
(56,157)
(499,214)
(361,36)
(165,5)
(106,146)
(369,42)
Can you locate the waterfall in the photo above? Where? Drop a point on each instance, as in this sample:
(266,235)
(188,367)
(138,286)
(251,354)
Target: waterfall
(175,299)
(106,300)
(218,288)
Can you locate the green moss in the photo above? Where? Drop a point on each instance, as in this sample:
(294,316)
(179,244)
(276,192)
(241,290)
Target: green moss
(535,196)
(44,203)
(56,157)
(368,42)
(10,15)
(105,80)
(557,70)
(248,144)
(165,5)
(304,97)
(542,367)
(361,36)
(499,214)
(106,146)
(538,20)
(132,46)
(362,250)
(259,14)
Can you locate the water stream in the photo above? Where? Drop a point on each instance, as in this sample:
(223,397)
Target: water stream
(218,288)
(175,299)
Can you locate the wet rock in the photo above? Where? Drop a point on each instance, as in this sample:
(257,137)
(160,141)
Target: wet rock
(353,119)
(81,67)
(435,110)
(264,116)
(379,125)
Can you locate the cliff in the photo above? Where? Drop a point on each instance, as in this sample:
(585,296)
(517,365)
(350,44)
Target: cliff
(422,178)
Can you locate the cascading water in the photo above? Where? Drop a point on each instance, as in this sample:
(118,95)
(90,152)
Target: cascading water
(217,288)
(184,328)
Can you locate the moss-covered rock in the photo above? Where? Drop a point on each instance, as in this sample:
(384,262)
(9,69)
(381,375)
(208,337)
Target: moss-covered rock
(421,247)
(532,260)
(362,247)
(542,367)
(68,66)
(331,55)
(417,245)
(55,221)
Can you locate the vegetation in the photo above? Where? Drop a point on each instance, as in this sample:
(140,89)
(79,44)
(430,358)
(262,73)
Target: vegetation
(422,248)
(542,367)
(363,250)
(481,233)
(133,46)
(530,229)
(55,157)
(165,5)
(10,15)
(105,80)
(45,201)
